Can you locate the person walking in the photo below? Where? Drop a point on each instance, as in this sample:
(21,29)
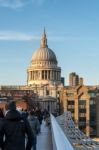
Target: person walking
(35,125)
(1,131)
(14,129)
(39,115)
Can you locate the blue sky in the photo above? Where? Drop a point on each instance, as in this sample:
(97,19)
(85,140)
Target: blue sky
(72,28)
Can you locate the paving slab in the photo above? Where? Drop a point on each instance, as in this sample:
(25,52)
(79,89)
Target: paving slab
(44,140)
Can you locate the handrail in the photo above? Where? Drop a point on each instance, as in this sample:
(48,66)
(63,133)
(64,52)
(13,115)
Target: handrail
(59,139)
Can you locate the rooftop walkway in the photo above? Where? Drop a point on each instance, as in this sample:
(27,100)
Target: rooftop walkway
(44,140)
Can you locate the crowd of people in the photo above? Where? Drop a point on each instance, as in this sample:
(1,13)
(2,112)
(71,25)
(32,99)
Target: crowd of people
(19,128)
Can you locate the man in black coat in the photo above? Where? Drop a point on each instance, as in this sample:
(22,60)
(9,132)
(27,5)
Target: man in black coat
(1,134)
(15,129)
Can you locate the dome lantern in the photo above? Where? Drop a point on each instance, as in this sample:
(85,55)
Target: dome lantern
(44,53)
(44,40)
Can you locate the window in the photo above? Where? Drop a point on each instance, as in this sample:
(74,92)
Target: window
(70,94)
(71,110)
(47,92)
(92,102)
(82,102)
(70,102)
(82,119)
(91,94)
(82,110)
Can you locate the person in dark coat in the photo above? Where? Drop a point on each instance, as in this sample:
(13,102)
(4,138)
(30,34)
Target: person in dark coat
(35,125)
(15,129)
(1,131)
(38,113)
(1,113)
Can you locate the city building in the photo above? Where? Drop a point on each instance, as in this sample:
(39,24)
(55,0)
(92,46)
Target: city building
(25,97)
(83,102)
(74,79)
(45,88)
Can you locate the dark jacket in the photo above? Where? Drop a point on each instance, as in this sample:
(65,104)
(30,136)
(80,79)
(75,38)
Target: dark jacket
(1,133)
(14,129)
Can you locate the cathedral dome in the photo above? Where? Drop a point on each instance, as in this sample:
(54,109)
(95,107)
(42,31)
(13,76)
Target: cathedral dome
(44,69)
(44,53)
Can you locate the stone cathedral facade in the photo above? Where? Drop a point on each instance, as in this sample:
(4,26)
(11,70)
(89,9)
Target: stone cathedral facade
(44,67)
(44,74)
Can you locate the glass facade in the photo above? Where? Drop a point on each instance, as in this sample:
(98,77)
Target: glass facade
(92,117)
(82,114)
(71,107)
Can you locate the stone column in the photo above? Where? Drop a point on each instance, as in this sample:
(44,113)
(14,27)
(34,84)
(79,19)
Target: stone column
(29,75)
(44,74)
(33,75)
(59,75)
(47,74)
(51,74)
(36,75)
(54,75)
(41,75)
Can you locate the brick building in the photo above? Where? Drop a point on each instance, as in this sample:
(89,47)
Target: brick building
(83,102)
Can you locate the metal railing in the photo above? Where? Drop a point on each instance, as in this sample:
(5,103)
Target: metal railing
(59,139)
(76,137)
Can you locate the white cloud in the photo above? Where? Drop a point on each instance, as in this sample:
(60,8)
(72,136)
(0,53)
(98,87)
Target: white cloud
(15,4)
(16,36)
(19,36)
